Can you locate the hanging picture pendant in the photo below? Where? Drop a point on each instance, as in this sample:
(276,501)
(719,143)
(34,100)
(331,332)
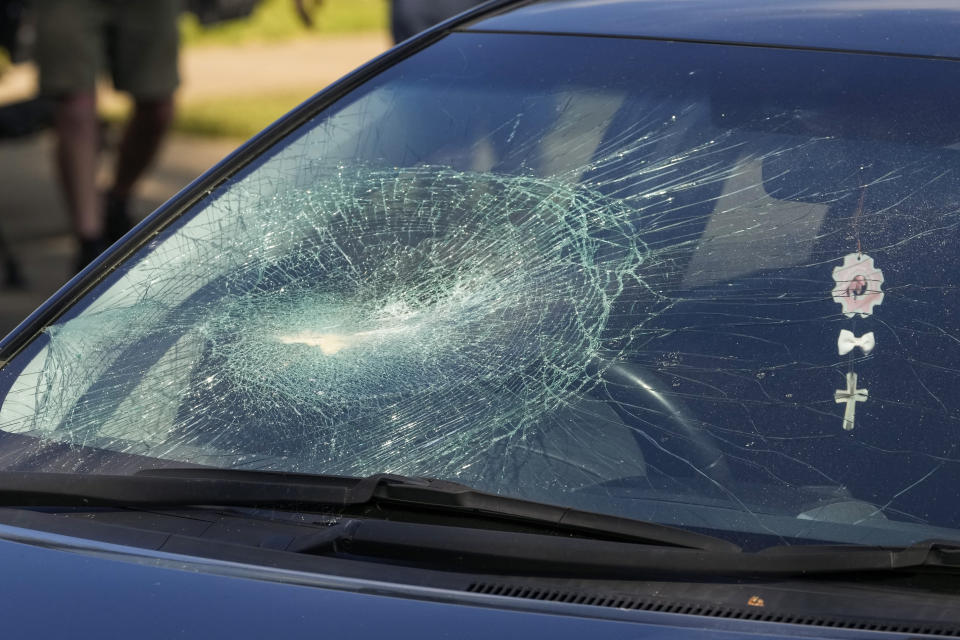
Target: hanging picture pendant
(858,285)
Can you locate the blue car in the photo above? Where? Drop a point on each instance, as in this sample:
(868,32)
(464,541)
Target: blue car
(564,319)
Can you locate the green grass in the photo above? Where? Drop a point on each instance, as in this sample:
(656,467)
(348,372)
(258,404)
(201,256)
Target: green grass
(275,20)
(232,118)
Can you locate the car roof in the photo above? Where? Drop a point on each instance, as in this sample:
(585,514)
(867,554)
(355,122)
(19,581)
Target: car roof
(926,28)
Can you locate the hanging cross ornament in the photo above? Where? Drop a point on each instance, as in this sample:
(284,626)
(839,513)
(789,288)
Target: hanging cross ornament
(851,395)
(858,285)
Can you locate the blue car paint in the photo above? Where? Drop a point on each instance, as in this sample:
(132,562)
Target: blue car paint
(57,586)
(916,28)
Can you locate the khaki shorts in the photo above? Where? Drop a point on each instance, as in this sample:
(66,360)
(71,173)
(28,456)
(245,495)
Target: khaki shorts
(136,40)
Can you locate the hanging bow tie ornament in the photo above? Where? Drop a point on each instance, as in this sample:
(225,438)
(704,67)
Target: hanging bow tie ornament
(848,341)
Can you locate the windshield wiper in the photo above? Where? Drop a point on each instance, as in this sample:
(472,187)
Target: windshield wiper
(497,551)
(583,543)
(233,487)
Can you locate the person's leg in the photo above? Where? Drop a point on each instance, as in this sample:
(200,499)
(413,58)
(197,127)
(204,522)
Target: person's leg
(141,140)
(410,17)
(144,64)
(403,22)
(68,53)
(75,124)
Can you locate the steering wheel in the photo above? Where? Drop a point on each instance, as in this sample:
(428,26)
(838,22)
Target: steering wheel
(624,384)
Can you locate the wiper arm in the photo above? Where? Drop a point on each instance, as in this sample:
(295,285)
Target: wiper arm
(497,551)
(237,487)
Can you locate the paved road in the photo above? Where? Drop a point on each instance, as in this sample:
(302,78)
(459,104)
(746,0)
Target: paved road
(32,216)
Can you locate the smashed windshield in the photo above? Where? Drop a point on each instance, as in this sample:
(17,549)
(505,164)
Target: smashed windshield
(711,286)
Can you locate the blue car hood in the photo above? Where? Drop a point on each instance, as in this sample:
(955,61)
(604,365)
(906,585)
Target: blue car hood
(56,586)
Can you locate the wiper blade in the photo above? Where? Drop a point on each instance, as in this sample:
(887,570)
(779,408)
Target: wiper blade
(237,487)
(819,559)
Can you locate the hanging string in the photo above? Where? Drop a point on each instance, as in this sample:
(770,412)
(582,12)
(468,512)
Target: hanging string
(856,216)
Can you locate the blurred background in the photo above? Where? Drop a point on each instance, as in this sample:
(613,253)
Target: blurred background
(238,74)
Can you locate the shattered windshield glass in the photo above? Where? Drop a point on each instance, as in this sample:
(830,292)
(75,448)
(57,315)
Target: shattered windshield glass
(706,285)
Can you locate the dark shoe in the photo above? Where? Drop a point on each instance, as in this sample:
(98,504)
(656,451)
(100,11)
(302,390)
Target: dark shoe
(90,250)
(13,279)
(116,218)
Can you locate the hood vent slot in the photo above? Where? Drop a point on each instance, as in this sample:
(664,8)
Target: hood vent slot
(632,602)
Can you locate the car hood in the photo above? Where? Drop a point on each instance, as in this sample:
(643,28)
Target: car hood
(97,588)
